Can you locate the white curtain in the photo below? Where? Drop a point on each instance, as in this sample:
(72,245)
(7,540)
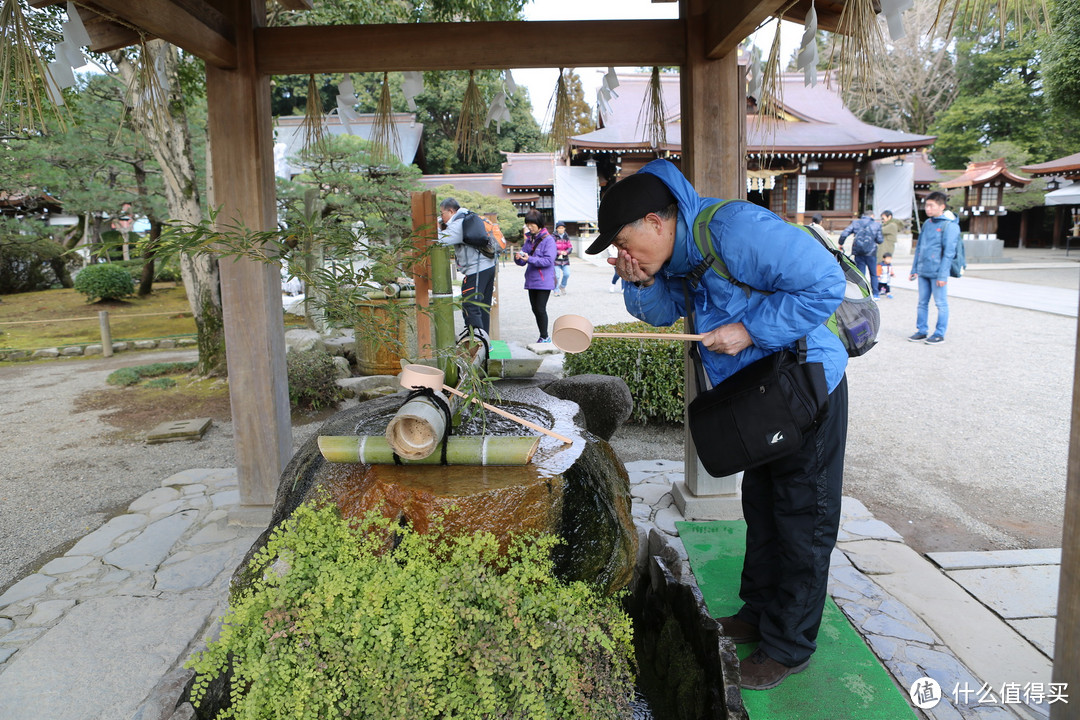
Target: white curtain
(577,194)
(894,189)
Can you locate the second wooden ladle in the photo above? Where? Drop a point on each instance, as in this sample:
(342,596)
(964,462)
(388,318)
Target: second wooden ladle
(425,376)
(574,334)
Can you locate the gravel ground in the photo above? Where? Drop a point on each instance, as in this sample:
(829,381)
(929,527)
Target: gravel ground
(960,446)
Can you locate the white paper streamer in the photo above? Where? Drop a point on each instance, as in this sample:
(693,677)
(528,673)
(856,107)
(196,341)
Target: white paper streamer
(808,57)
(61,74)
(610,82)
(892,10)
(412,86)
(602,103)
(55,95)
(511,86)
(70,53)
(498,112)
(754,76)
(74,30)
(346,102)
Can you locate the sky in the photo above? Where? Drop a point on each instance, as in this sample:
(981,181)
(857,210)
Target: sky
(541,82)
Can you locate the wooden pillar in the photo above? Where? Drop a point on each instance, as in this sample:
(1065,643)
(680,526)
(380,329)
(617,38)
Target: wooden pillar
(1059,227)
(423,220)
(240,135)
(1067,634)
(713,97)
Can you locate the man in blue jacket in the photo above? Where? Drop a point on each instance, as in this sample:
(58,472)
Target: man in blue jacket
(933,258)
(791,505)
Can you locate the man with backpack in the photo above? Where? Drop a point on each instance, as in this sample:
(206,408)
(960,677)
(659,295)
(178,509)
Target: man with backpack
(931,264)
(867,232)
(477,269)
(791,504)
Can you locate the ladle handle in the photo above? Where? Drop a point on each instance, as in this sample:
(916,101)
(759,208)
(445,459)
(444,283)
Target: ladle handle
(650,336)
(510,416)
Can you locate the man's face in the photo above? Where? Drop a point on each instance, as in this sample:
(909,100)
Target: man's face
(446,214)
(650,242)
(933,208)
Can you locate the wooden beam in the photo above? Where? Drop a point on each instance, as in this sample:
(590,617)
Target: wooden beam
(450,46)
(296,4)
(242,165)
(1067,632)
(729,23)
(194,25)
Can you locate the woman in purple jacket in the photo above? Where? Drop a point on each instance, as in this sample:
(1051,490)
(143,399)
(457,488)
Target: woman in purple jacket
(537,254)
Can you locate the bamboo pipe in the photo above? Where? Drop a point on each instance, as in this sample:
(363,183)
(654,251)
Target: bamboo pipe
(460,450)
(424,376)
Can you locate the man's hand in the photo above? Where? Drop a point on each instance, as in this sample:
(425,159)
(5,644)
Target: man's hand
(942,283)
(629,270)
(728,339)
(912,276)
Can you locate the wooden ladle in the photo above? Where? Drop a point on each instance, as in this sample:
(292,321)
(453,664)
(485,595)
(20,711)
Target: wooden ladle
(432,377)
(574,334)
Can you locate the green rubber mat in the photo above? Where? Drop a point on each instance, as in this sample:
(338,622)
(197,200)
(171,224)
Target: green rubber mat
(845,681)
(499,350)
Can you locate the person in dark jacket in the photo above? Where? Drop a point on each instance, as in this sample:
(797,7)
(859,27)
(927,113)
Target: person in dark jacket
(792,504)
(867,232)
(537,255)
(478,271)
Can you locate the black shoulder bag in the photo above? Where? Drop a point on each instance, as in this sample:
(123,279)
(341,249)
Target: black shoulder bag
(757,415)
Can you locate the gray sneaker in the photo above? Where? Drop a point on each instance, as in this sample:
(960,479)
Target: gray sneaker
(917,337)
(935,339)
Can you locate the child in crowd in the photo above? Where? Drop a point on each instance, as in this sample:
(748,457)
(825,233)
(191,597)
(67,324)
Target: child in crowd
(563,248)
(885,273)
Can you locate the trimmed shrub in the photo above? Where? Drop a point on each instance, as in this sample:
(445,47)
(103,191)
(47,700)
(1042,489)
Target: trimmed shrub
(133,375)
(368,619)
(653,369)
(312,379)
(104,281)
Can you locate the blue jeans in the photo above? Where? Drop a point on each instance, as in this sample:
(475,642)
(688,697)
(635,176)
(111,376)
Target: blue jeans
(867,264)
(928,287)
(562,274)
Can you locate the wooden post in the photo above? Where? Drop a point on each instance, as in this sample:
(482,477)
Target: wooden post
(423,219)
(106,333)
(240,133)
(1067,633)
(713,100)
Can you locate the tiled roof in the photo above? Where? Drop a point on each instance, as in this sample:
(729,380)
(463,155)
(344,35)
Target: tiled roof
(980,173)
(1068,165)
(817,124)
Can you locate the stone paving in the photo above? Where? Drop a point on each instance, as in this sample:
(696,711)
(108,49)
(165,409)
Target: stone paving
(102,630)
(93,632)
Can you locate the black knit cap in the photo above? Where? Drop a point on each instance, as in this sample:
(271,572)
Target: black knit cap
(628,200)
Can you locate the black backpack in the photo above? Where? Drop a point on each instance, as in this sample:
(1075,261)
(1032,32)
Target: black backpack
(475,234)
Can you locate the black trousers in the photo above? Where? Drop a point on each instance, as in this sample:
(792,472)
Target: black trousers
(476,291)
(792,511)
(538,300)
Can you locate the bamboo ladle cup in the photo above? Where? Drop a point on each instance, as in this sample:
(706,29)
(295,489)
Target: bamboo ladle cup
(431,377)
(574,334)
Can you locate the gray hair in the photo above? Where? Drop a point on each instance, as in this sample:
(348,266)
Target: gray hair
(449,204)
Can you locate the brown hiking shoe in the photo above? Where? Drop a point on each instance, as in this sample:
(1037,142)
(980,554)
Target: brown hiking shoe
(739,631)
(761,672)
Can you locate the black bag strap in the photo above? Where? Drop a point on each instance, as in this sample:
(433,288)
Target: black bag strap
(440,402)
(695,356)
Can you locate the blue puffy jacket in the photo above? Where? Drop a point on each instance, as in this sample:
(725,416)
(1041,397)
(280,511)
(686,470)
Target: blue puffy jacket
(936,248)
(763,251)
